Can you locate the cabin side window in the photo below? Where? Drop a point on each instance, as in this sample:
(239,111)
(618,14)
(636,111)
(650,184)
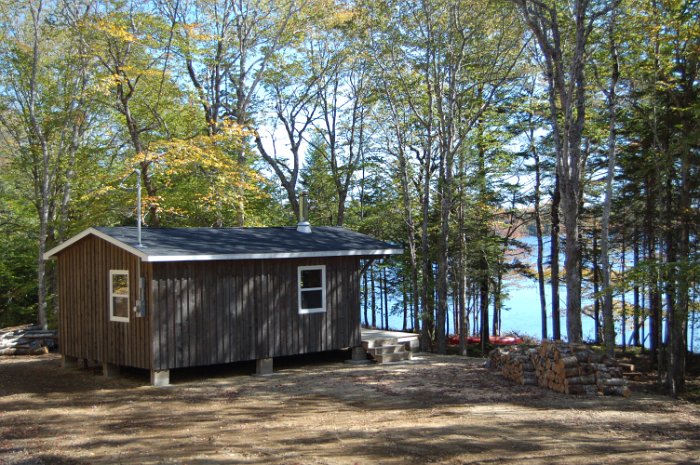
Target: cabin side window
(312,289)
(119,295)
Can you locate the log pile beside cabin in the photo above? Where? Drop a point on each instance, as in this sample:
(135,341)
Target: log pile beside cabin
(565,368)
(26,340)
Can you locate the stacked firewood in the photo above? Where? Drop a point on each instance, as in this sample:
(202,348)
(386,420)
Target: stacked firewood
(566,368)
(26,340)
(515,364)
(577,369)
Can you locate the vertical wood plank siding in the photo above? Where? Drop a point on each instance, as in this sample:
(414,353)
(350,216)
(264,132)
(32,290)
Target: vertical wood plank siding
(200,313)
(206,313)
(83,295)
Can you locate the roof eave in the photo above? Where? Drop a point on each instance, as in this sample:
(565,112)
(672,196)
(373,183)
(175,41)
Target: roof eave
(274,256)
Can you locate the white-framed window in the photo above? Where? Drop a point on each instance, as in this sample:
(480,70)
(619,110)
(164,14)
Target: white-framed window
(312,289)
(119,295)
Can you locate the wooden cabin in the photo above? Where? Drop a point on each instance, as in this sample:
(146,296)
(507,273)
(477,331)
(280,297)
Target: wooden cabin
(160,299)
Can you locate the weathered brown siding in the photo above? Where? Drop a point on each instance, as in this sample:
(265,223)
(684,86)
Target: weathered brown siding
(83,292)
(205,313)
(200,313)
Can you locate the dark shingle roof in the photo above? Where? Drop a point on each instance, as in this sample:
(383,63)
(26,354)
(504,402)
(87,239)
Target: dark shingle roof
(185,244)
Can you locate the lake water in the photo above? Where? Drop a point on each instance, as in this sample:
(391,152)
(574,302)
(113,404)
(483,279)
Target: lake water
(521,310)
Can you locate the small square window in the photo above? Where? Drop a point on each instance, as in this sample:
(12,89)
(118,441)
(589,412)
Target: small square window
(119,295)
(312,289)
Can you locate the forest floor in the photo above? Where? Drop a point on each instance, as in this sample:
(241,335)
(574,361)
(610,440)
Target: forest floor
(434,409)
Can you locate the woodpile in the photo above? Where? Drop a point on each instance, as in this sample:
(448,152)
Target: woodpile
(515,364)
(565,368)
(27,340)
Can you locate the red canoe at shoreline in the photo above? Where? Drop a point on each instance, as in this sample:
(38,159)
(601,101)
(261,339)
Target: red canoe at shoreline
(495,340)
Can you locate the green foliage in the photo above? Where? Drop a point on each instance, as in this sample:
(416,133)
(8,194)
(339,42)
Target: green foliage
(318,181)
(18,259)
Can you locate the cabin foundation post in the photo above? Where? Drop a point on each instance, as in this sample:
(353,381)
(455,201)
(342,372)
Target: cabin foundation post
(160,378)
(110,370)
(263,366)
(359,354)
(69,362)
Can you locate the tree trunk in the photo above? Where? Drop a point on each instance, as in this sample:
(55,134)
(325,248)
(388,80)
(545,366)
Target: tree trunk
(669,275)
(654,299)
(410,233)
(484,300)
(289,183)
(496,330)
(44,172)
(635,294)
(461,275)
(463,317)
(643,329)
(404,324)
(679,314)
(609,328)
(415,298)
(596,290)
(623,270)
(566,85)
(366,296)
(572,261)
(385,291)
(427,275)
(554,257)
(540,242)
(443,246)
(427,315)
(373,296)
(41,279)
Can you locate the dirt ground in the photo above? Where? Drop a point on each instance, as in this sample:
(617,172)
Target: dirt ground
(435,409)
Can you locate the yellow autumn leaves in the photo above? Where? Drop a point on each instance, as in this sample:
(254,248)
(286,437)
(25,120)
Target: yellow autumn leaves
(197,178)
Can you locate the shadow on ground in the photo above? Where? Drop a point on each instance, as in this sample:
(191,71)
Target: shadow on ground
(436,409)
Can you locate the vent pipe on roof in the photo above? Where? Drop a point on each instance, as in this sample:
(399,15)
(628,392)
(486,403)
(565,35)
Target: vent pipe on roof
(138,205)
(303,226)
